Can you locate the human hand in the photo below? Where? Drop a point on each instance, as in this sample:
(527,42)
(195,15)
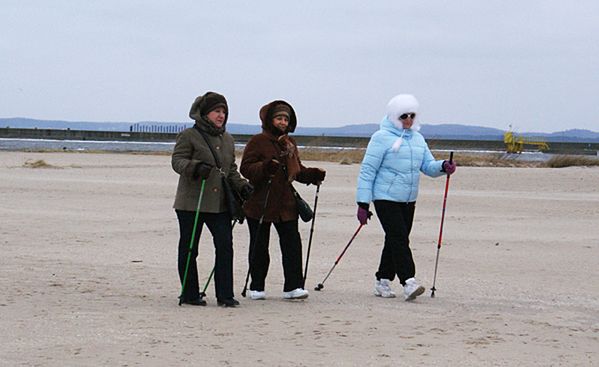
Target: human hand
(316,175)
(363,213)
(271,167)
(449,167)
(202,170)
(246,191)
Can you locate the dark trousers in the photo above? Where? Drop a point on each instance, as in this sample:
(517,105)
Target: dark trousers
(291,253)
(396,219)
(221,229)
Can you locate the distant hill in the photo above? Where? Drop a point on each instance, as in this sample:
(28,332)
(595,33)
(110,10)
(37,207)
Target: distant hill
(441,131)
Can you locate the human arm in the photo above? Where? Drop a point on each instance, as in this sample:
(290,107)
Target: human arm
(182,160)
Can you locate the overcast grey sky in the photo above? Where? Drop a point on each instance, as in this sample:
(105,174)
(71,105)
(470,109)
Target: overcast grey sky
(532,63)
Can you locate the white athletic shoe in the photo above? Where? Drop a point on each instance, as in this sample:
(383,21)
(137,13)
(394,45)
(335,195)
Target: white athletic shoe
(382,288)
(298,293)
(257,295)
(412,289)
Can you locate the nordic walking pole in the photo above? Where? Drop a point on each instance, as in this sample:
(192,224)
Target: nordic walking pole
(321,285)
(433,289)
(311,233)
(255,241)
(203,292)
(193,233)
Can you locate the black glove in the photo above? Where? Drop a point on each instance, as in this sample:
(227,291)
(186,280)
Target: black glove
(202,170)
(316,175)
(246,191)
(271,167)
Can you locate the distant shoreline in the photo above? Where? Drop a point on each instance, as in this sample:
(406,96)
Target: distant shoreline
(153,141)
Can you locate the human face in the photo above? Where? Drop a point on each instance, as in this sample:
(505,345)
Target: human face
(280,122)
(217,116)
(407,119)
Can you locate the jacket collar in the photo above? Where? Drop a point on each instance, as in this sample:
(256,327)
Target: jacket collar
(208,127)
(390,126)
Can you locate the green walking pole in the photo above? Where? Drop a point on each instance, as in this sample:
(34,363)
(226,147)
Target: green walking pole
(193,233)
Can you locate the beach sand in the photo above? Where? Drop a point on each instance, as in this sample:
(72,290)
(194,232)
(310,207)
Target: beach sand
(88,273)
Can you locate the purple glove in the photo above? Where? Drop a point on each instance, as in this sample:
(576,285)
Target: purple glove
(449,167)
(363,213)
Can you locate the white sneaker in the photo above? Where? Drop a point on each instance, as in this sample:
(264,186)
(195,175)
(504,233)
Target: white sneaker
(298,293)
(382,288)
(412,289)
(255,295)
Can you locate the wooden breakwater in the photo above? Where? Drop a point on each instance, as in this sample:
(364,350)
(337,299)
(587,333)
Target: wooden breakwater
(308,141)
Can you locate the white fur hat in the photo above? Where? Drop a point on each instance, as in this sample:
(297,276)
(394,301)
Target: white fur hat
(400,104)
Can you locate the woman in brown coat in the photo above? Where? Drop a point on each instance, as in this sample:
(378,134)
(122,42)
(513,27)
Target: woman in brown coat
(195,163)
(271,163)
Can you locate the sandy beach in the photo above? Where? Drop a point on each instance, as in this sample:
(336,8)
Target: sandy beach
(88,273)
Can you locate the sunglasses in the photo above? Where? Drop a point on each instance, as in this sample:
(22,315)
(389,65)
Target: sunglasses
(406,115)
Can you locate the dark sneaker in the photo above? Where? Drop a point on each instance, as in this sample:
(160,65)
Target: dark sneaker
(228,302)
(194,302)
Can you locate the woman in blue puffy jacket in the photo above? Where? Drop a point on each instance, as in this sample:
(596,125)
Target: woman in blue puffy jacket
(389,177)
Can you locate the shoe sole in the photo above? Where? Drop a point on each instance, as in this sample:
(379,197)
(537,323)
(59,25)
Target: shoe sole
(381,295)
(299,297)
(228,305)
(415,294)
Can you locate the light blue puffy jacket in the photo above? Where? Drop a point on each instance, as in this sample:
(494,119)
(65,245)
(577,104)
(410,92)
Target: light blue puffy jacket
(394,175)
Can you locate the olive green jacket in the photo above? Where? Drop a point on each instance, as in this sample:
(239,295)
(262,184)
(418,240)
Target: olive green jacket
(190,149)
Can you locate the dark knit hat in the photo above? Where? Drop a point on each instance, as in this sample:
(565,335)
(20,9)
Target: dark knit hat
(210,101)
(281,109)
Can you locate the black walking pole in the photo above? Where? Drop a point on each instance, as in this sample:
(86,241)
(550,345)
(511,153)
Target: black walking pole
(193,233)
(255,239)
(311,233)
(321,285)
(433,289)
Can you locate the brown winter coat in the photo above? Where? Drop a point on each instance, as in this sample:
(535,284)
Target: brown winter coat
(190,149)
(261,149)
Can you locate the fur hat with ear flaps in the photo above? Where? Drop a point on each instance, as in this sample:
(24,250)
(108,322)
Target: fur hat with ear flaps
(203,105)
(270,110)
(400,104)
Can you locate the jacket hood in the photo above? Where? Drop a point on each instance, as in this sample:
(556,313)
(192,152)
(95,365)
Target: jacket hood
(266,114)
(206,103)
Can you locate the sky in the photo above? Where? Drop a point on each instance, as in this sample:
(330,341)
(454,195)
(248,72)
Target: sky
(531,64)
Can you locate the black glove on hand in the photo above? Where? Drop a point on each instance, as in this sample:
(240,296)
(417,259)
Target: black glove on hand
(318,176)
(246,191)
(271,167)
(202,170)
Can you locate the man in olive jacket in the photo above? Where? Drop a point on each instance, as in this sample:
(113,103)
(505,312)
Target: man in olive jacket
(194,161)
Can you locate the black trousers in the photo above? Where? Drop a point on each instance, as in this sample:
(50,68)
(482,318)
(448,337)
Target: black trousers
(396,258)
(221,229)
(291,253)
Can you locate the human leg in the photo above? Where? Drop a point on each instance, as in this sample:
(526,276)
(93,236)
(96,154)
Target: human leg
(258,257)
(396,220)
(220,227)
(291,253)
(191,292)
